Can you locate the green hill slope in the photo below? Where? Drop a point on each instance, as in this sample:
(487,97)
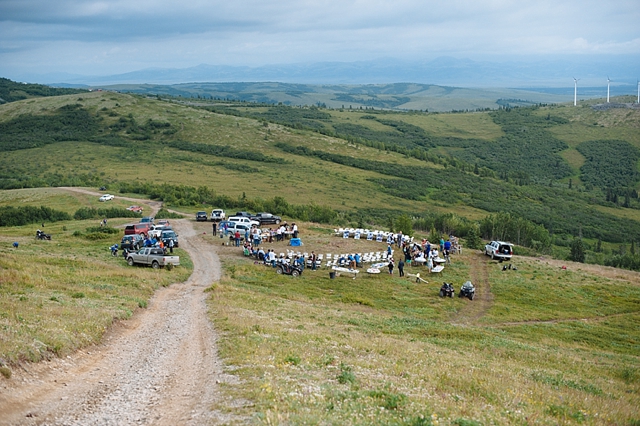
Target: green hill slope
(546,165)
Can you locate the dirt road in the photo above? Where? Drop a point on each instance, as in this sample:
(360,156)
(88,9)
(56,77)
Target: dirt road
(160,367)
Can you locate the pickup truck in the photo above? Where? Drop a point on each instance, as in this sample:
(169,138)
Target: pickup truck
(152,256)
(217,215)
(244,220)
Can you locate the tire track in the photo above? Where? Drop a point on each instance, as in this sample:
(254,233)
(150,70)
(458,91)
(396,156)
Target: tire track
(475,309)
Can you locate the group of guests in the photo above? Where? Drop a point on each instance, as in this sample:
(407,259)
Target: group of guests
(269,257)
(256,235)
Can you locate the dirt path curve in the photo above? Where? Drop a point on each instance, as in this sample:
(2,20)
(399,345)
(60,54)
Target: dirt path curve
(154,205)
(160,367)
(476,309)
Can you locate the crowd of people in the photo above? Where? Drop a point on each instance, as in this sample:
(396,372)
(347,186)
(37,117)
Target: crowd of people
(257,235)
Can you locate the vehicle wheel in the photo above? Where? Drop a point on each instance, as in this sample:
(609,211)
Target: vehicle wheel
(155,265)
(460,294)
(295,273)
(441,293)
(471,296)
(279,270)
(130,261)
(493,256)
(277,222)
(451,294)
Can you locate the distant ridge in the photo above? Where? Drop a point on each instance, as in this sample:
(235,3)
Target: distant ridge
(529,72)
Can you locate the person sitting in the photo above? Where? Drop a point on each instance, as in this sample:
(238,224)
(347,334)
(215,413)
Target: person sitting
(261,254)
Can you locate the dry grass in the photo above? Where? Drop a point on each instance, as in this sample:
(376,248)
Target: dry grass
(381,350)
(57,296)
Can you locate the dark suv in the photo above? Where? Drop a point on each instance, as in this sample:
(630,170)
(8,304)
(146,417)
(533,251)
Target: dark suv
(268,219)
(201,216)
(132,242)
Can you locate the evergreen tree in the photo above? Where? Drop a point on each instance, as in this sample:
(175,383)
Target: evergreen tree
(473,239)
(577,250)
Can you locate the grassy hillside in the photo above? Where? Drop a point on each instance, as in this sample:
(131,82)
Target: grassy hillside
(546,165)
(540,344)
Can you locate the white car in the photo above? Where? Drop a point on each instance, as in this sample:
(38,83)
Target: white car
(106,197)
(499,250)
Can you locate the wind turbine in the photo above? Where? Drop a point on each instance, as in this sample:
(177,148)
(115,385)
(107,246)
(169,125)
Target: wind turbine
(608,83)
(638,81)
(575,92)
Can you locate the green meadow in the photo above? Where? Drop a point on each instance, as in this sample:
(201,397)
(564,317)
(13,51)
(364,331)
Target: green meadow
(539,345)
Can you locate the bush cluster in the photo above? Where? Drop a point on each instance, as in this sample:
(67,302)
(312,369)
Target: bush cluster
(25,215)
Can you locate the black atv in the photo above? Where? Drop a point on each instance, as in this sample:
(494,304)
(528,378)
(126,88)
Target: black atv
(467,290)
(42,236)
(447,290)
(287,269)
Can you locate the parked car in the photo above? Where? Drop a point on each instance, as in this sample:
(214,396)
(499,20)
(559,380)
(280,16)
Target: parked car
(245,214)
(217,215)
(245,220)
(165,236)
(268,219)
(103,188)
(132,242)
(136,209)
(237,226)
(201,216)
(499,250)
(106,197)
(152,256)
(162,222)
(147,219)
(156,230)
(137,228)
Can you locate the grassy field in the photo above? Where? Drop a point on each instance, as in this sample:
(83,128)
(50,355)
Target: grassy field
(60,295)
(540,345)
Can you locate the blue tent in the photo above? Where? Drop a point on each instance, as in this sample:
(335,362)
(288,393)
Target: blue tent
(295,242)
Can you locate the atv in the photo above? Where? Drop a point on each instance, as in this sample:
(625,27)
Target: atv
(467,290)
(285,268)
(42,236)
(447,290)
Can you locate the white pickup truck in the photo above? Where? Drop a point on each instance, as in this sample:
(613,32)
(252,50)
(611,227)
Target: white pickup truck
(152,256)
(217,215)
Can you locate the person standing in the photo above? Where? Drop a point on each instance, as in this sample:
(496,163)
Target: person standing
(215,231)
(313,261)
(401,267)
(391,266)
(294,229)
(170,245)
(237,237)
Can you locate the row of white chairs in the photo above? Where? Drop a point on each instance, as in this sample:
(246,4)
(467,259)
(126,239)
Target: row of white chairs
(378,236)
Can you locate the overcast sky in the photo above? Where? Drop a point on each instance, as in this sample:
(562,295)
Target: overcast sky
(116,36)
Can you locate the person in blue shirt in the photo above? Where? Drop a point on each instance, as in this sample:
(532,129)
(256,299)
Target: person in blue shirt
(358,259)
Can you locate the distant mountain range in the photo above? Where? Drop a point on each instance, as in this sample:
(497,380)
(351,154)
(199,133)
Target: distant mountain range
(443,71)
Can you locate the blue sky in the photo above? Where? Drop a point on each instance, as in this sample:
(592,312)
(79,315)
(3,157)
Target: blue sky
(117,36)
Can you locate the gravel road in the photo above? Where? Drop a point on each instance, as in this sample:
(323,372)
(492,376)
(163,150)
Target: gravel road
(160,367)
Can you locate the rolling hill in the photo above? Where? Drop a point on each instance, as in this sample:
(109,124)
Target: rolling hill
(545,166)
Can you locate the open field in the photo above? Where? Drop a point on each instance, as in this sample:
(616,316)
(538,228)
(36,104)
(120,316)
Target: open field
(60,295)
(539,345)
